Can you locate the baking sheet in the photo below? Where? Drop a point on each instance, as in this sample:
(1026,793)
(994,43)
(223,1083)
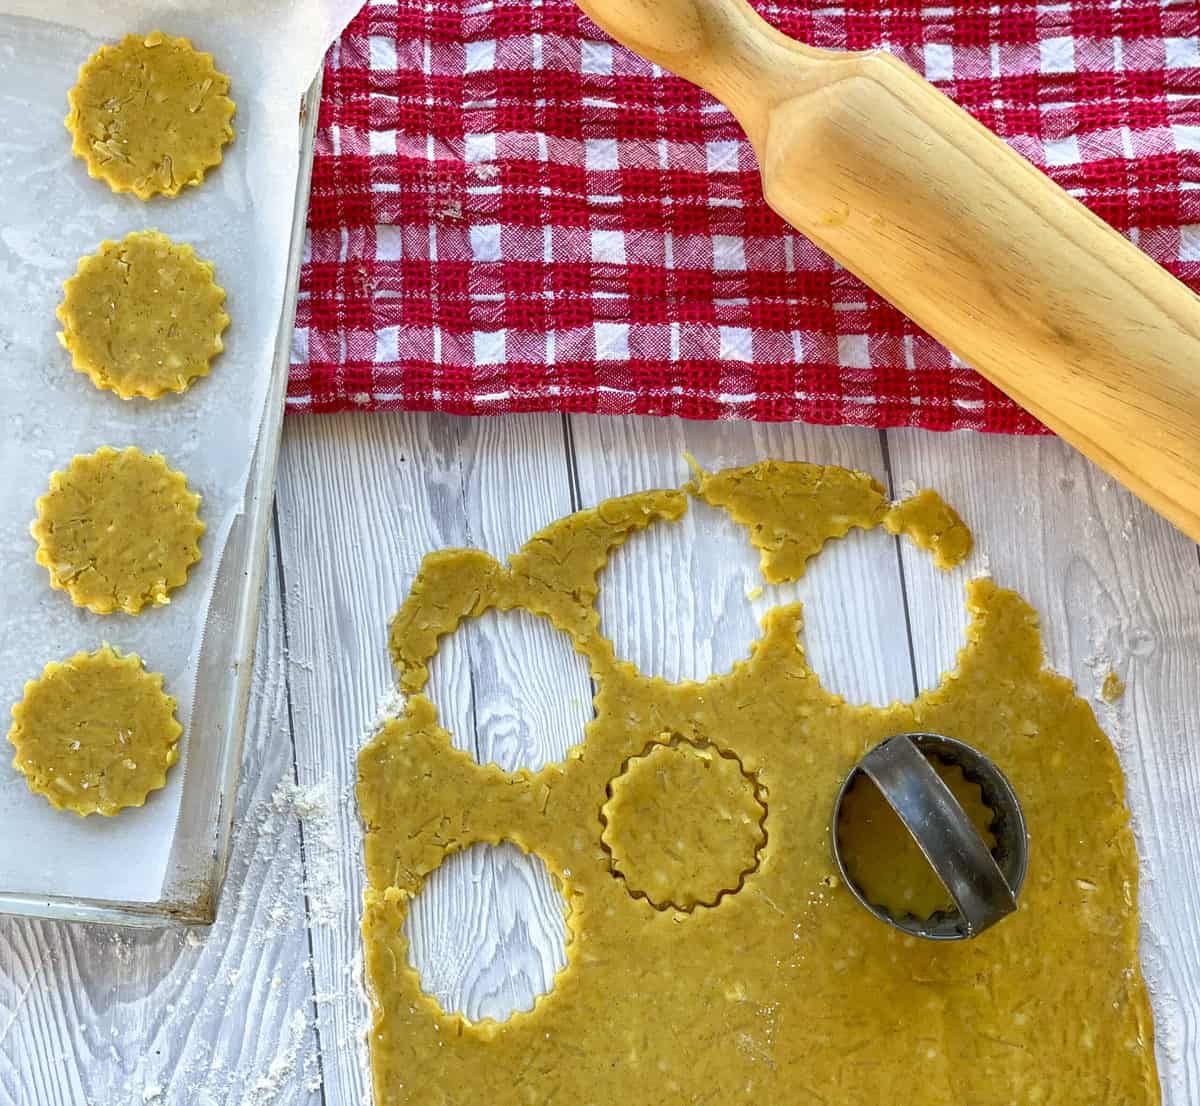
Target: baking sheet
(51,214)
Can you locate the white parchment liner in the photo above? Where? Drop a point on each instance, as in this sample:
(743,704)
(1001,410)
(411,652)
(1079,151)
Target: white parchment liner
(51,214)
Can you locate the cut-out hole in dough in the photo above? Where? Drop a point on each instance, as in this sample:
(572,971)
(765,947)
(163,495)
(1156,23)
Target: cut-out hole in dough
(935,603)
(855,633)
(673,599)
(511,690)
(488,932)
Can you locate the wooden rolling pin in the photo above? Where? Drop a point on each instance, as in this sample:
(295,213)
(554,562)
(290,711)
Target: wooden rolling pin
(961,233)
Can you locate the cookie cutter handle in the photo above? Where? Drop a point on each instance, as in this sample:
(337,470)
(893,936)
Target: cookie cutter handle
(942,830)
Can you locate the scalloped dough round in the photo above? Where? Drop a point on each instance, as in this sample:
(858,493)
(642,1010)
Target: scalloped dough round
(95,733)
(150,115)
(143,316)
(118,530)
(683,824)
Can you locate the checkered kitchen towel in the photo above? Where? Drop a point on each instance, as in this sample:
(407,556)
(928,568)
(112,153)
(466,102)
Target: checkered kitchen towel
(510,213)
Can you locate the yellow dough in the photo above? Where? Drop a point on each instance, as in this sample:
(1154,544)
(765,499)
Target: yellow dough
(790,513)
(96,733)
(661,851)
(787,990)
(150,115)
(882,857)
(143,316)
(118,530)
(930,523)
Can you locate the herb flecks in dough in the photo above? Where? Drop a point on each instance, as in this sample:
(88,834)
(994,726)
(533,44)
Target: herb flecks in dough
(672,810)
(118,530)
(150,115)
(95,733)
(778,992)
(143,316)
(791,509)
(930,523)
(881,855)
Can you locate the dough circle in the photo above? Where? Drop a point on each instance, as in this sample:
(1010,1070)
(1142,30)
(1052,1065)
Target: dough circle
(143,316)
(95,733)
(884,859)
(683,825)
(118,530)
(150,115)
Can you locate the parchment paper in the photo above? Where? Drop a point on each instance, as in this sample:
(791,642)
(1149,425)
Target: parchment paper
(51,214)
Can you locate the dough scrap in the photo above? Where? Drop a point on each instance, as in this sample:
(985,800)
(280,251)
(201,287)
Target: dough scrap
(786,990)
(150,115)
(792,512)
(118,530)
(143,316)
(671,809)
(95,733)
(930,523)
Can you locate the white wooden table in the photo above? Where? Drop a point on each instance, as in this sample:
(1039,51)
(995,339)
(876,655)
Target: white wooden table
(265,1009)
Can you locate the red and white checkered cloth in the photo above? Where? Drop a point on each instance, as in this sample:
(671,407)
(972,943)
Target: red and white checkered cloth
(510,213)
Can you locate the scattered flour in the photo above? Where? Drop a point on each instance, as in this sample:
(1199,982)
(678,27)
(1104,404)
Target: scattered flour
(320,878)
(275,1085)
(390,705)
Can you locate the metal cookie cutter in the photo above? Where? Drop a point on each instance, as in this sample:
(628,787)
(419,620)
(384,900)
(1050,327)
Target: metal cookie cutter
(984,883)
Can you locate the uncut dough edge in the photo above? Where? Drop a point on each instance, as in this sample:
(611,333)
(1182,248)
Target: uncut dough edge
(795,980)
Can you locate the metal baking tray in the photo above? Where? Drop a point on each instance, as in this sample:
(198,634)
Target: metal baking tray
(199,847)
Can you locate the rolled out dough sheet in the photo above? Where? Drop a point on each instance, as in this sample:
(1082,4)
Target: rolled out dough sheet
(786,990)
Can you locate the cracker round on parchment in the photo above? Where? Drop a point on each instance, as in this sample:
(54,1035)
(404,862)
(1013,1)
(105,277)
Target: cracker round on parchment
(150,115)
(95,733)
(143,316)
(118,530)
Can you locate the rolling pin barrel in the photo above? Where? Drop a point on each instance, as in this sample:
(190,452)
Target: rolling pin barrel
(961,233)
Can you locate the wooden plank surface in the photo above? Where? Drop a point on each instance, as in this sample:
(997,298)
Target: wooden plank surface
(266,1009)
(675,600)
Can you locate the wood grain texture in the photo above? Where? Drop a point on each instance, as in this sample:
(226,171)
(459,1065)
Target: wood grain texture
(95,1015)
(489,934)
(675,599)
(1117,589)
(110,1017)
(405,485)
(905,189)
(500,707)
(358,503)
